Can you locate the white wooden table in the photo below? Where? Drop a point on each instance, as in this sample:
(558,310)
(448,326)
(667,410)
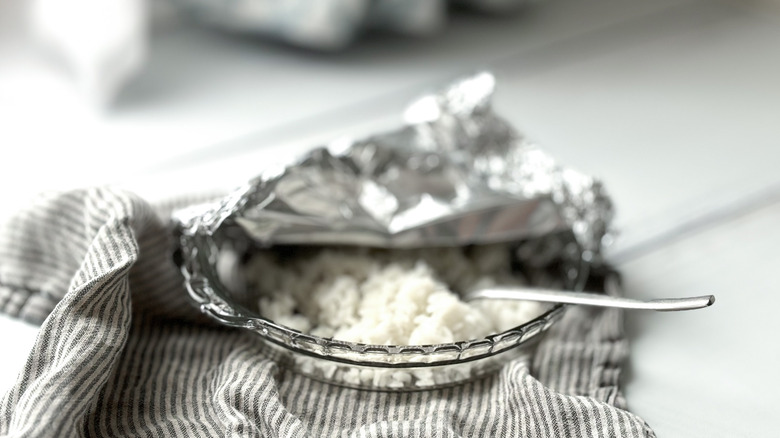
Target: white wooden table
(675,104)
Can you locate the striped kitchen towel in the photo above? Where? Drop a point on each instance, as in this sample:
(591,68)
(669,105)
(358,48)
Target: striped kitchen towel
(122,353)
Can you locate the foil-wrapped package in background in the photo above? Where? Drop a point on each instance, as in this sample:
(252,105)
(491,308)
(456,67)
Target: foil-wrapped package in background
(456,174)
(330,24)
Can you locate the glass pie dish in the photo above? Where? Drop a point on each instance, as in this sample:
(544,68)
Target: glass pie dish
(455,176)
(365,366)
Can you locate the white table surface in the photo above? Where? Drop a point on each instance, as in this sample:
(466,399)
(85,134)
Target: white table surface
(675,104)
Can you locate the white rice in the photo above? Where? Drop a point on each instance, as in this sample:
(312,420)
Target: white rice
(387,297)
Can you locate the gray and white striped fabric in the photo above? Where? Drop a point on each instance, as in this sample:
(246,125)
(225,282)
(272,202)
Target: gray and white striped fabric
(121,352)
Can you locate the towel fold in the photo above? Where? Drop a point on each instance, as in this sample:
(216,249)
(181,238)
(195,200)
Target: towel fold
(121,352)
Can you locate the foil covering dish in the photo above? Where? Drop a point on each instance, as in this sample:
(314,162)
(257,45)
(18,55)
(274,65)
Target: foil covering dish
(455,175)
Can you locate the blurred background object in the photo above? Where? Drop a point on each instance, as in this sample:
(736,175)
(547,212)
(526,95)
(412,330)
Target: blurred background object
(104,43)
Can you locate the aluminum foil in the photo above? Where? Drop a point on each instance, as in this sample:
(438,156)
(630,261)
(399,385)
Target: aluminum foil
(330,24)
(455,174)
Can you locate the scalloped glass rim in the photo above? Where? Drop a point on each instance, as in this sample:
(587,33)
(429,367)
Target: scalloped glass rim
(211,296)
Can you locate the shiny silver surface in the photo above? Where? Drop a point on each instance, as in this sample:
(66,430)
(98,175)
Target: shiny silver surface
(456,174)
(589,299)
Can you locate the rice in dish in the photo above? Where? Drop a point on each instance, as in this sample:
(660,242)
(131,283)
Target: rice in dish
(387,297)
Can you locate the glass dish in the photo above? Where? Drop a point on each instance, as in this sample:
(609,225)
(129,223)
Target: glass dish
(365,366)
(455,175)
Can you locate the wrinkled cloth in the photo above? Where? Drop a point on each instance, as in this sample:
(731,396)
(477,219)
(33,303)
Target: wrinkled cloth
(121,352)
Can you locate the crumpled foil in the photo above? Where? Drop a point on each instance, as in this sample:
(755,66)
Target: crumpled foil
(456,174)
